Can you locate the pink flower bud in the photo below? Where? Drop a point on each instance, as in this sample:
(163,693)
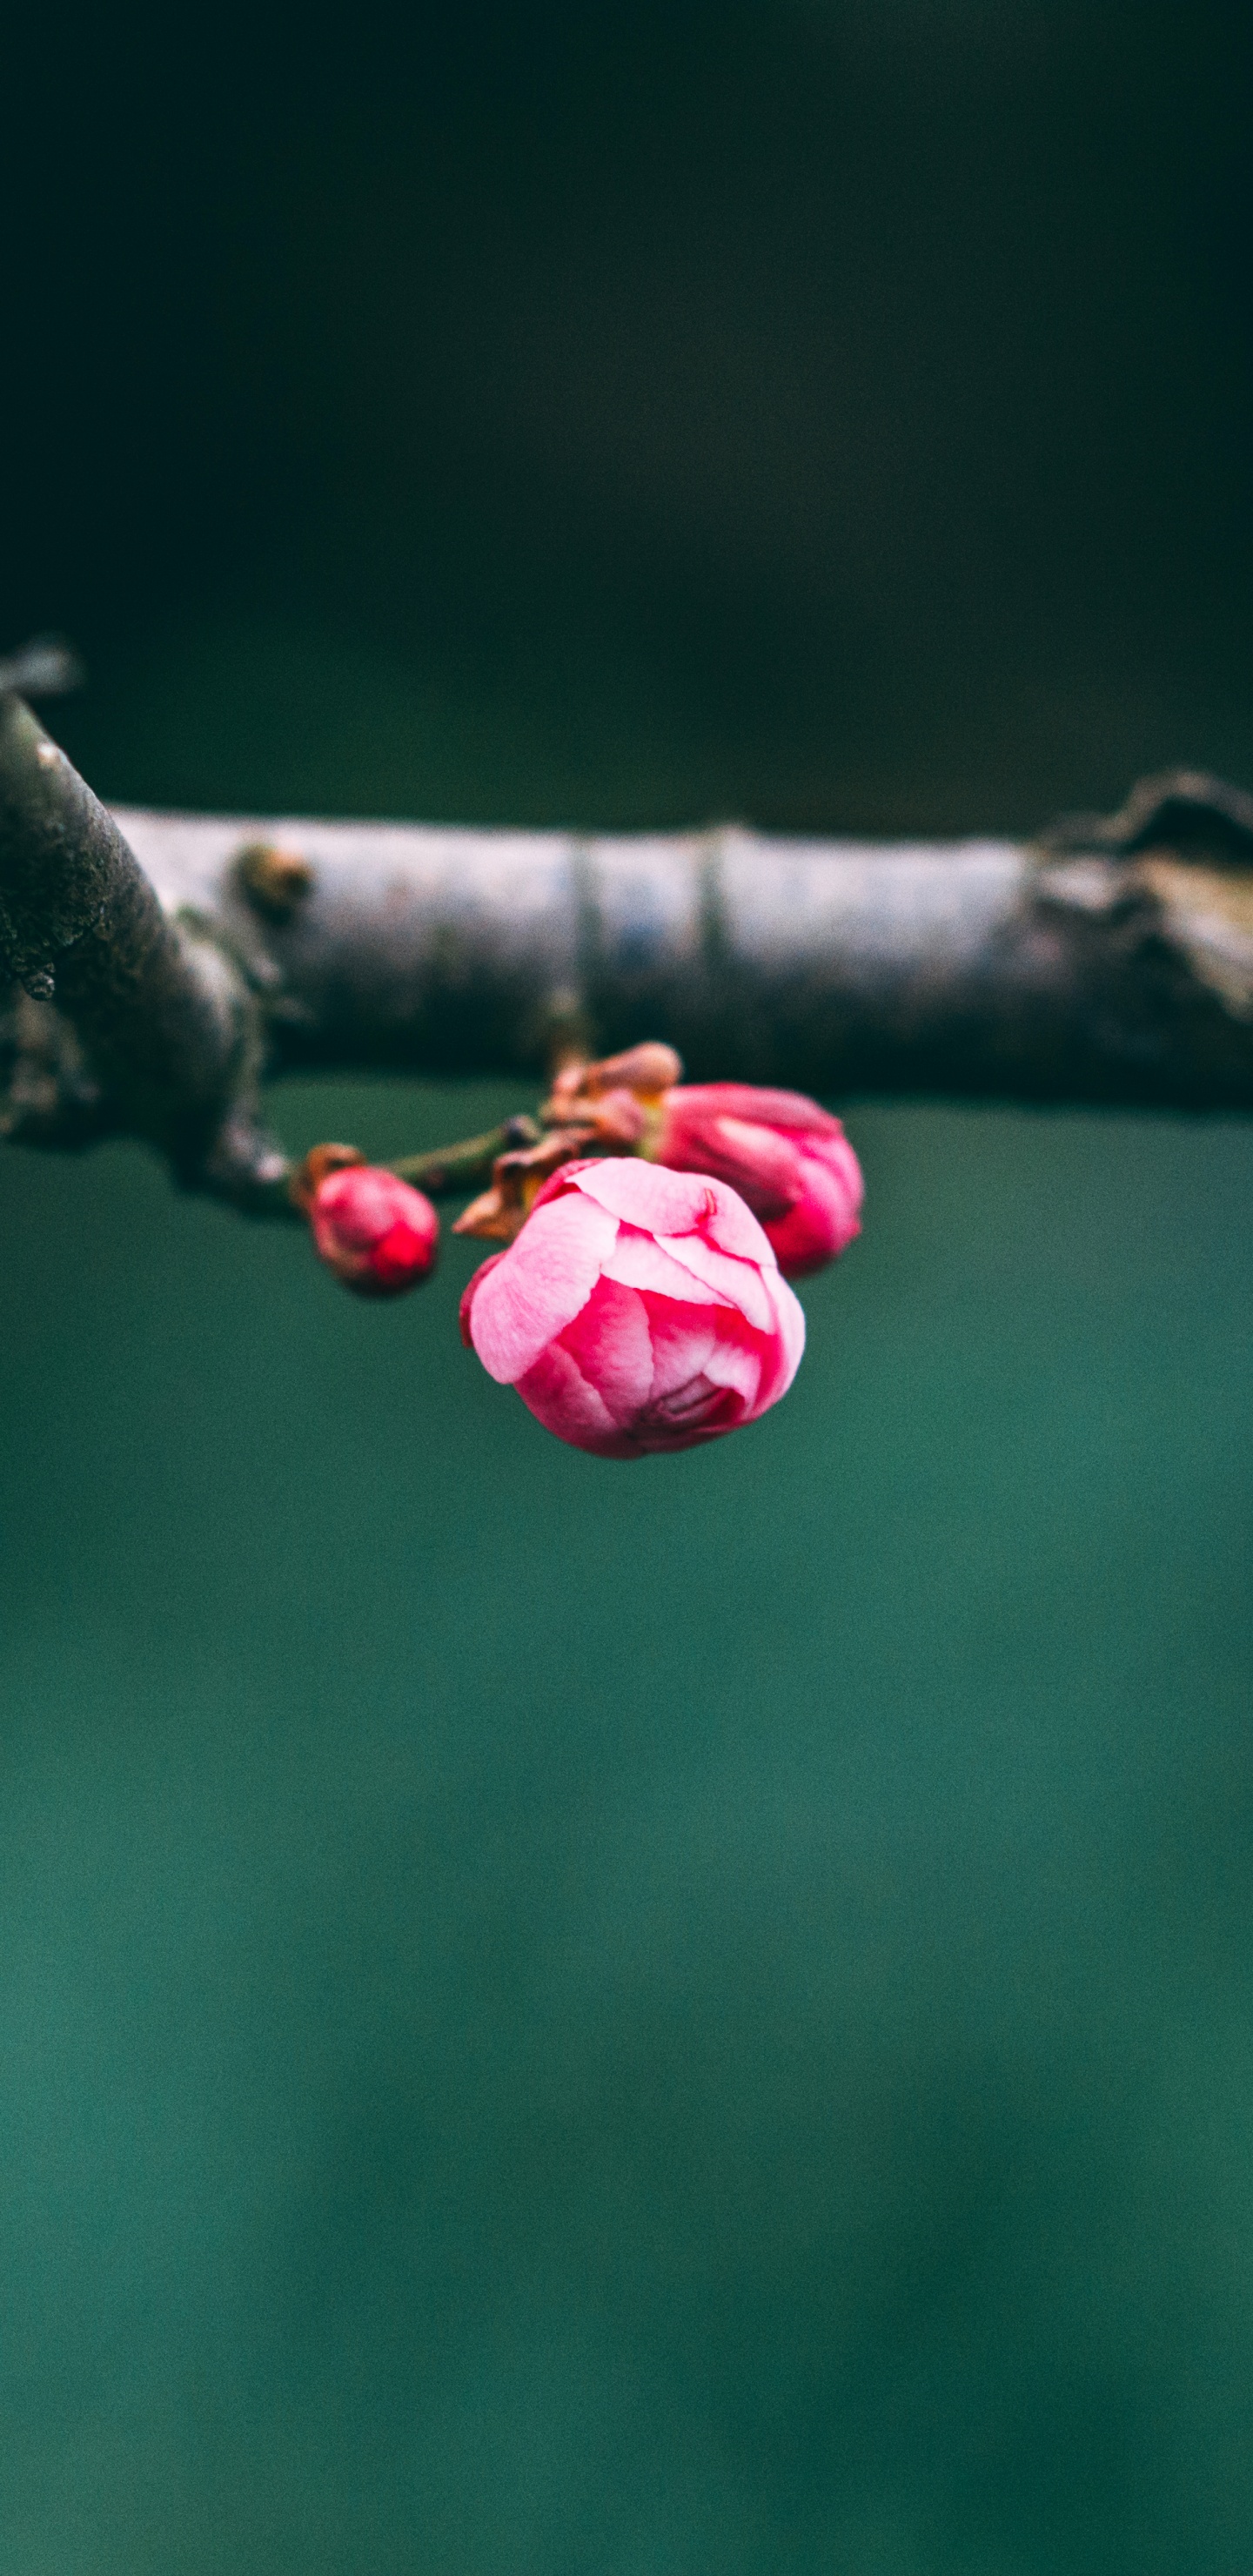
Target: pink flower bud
(376,1234)
(639,1309)
(790,1161)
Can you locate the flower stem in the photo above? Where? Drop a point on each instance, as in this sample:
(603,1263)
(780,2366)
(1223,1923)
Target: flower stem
(449,1170)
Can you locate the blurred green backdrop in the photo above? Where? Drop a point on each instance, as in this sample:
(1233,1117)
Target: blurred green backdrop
(565,2021)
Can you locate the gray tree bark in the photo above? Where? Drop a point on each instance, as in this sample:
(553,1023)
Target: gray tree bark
(163,964)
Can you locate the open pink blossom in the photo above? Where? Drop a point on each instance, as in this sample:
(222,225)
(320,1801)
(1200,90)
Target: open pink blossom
(376,1233)
(639,1309)
(790,1161)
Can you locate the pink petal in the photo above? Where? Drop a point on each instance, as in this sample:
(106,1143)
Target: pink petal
(646,1195)
(762,1165)
(559,1183)
(681,1344)
(557,1393)
(400,1254)
(755,1160)
(701,1410)
(734,1228)
(540,1285)
(352,1209)
(687,1360)
(639,1261)
(470,1292)
(669,1204)
(610,1345)
(836,1155)
(784,1353)
(826,1217)
(735,1366)
(793,1112)
(736,1283)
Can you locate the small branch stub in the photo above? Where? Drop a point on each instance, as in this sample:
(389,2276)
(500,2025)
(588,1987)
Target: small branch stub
(47,667)
(275,881)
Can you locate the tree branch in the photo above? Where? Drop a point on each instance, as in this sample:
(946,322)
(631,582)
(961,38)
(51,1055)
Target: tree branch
(167,1040)
(1111,960)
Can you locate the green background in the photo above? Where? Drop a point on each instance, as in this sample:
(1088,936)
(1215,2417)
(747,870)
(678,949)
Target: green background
(564,2020)
(693,2016)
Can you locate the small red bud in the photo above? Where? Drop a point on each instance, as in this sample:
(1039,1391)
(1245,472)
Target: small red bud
(376,1233)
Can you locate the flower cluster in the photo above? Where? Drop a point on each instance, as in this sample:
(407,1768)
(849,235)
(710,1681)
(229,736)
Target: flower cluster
(649,1228)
